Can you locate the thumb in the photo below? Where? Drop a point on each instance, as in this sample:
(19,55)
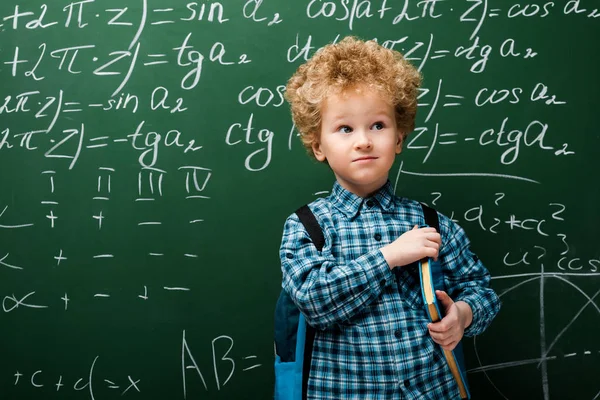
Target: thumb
(415,227)
(444,299)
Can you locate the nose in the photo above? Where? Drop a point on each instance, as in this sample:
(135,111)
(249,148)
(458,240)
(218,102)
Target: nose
(363,140)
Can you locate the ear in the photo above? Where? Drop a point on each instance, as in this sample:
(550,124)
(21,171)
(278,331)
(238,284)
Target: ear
(399,143)
(317,151)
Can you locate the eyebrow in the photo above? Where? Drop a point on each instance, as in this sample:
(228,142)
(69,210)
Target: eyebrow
(383,113)
(378,114)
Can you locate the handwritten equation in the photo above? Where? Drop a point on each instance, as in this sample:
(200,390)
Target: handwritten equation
(98,379)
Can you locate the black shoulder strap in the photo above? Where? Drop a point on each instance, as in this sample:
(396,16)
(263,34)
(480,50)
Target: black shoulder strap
(312,226)
(431,217)
(316,234)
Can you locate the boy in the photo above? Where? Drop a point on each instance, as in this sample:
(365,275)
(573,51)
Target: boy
(354,103)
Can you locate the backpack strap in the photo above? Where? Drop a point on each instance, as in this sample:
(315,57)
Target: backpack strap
(437,275)
(312,226)
(431,217)
(316,234)
(432,220)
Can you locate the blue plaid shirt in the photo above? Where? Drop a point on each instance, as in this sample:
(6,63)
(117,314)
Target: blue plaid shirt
(372,340)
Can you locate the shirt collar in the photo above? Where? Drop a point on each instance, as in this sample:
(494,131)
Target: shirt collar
(350,203)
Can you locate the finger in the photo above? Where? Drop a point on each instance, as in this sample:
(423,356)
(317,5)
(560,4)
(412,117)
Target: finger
(434,237)
(431,252)
(443,340)
(432,244)
(451,346)
(438,338)
(438,327)
(444,298)
(425,230)
(436,341)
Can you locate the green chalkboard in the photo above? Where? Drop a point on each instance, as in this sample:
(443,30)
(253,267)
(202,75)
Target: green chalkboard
(148,162)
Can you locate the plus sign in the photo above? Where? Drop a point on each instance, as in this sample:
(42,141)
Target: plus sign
(15,16)
(59,257)
(59,384)
(18,375)
(66,300)
(99,218)
(15,61)
(51,217)
(513,222)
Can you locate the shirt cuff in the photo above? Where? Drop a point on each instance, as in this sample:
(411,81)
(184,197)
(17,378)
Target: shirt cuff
(476,326)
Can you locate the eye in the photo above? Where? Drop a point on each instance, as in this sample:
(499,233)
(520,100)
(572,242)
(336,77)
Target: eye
(378,126)
(344,129)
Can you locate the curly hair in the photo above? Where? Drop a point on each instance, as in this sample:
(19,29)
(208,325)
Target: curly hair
(345,65)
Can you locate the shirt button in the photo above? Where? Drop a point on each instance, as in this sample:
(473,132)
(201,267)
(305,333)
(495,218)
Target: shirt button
(398,333)
(382,282)
(289,255)
(406,383)
(370,203)
(377,237)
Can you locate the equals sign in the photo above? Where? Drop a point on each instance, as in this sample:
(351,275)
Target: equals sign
(452,96)
(72,103)
(156,62)
(440,54)
(446,135)
(93,146)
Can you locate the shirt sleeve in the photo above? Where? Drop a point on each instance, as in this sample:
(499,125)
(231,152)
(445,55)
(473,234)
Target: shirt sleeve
(467,279)
(325,291)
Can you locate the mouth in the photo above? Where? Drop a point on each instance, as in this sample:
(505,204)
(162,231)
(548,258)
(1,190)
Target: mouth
(365,159)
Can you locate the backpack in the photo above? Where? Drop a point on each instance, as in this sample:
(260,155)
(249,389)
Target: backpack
(294,337)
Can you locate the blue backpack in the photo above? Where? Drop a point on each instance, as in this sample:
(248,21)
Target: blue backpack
(294,338)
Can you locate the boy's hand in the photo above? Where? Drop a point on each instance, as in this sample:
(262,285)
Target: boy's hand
(449,331)
(411,246)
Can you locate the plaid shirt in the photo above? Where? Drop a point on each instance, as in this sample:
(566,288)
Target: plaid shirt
(372,340)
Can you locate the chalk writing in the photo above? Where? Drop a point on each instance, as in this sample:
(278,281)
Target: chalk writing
(148,158)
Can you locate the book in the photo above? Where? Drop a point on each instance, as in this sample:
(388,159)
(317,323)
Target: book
(431,277)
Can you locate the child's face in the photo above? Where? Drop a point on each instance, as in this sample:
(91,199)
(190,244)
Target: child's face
(359,139)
